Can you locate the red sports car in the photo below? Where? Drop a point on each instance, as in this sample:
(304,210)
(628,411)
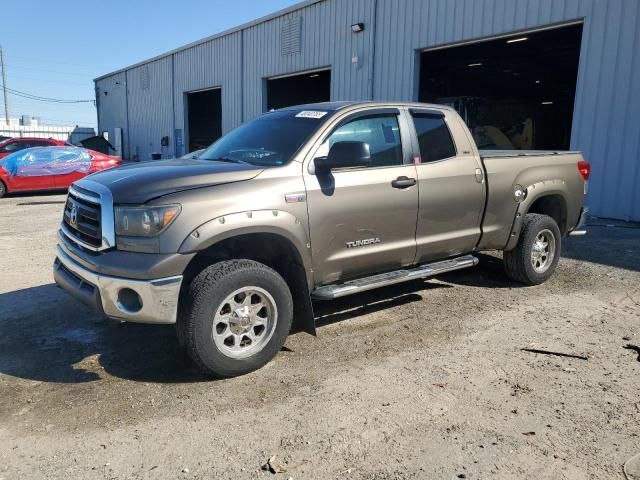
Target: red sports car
(12,145)
(50,168)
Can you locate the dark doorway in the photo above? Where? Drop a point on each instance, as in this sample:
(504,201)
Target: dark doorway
(515,92)
(204,117)
(309,87)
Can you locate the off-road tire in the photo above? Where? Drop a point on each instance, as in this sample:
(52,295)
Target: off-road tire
(517,262)
(203,298)
(3,189)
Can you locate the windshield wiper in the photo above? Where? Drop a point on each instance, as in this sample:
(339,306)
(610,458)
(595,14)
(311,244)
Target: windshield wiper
(227,160)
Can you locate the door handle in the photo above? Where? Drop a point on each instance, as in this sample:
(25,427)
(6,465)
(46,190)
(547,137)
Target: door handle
(403,182)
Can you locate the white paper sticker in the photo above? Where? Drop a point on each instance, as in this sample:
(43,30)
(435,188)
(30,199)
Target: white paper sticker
(311,114)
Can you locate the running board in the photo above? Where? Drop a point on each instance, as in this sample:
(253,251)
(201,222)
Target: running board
(329,292)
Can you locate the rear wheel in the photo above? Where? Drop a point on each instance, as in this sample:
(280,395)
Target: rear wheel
(535,257)
(236,318)
(3,189)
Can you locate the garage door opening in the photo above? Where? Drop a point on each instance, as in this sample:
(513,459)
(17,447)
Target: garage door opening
(515,92)
(204,118)
(308,87)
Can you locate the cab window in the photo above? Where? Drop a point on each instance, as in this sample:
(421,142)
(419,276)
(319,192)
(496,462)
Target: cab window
(12,147)
(434,137)
(40,143)
(380,131)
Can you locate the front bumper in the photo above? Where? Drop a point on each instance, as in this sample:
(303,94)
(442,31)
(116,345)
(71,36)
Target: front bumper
(143,301)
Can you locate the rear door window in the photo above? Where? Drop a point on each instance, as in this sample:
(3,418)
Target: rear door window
(434,137)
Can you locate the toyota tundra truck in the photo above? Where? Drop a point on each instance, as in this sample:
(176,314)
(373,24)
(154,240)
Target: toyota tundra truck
(303,204)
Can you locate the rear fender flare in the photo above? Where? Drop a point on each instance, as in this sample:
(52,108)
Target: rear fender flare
(534,192)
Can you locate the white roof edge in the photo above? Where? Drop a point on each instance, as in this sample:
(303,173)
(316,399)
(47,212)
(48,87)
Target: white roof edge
(266,18)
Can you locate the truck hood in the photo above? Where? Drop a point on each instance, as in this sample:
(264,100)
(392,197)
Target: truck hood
(141,182)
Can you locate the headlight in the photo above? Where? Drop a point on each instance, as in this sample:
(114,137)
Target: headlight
(144,221)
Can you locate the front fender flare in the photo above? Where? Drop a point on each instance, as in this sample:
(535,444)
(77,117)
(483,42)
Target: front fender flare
(256,221)
(276,222)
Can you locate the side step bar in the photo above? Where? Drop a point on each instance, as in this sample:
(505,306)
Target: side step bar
(329,292)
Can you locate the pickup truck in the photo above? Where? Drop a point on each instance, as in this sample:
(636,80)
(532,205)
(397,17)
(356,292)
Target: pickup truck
(307,203)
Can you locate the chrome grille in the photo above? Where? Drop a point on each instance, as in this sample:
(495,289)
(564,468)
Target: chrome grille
(88,216)
(82,218)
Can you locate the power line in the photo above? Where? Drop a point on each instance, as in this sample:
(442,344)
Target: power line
(31,96)
(35,105)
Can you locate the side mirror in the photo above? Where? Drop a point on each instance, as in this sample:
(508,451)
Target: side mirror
(344,154)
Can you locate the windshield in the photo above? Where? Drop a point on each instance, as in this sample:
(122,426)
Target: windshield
(267,141)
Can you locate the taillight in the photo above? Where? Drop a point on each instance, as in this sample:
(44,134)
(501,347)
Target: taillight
(585,169)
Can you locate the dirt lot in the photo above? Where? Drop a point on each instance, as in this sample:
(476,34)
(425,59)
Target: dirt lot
(426,380)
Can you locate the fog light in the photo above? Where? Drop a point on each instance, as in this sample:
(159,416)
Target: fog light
(129,301)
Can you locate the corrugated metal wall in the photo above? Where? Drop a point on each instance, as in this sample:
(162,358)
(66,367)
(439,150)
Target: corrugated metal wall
(215,64)
(111,101)
(383,63)
(326,41)
(149,99)
(605,123)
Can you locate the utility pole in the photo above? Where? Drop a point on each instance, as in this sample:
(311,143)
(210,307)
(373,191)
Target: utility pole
(4,86)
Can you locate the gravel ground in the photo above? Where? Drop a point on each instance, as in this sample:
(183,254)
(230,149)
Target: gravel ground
(424,380)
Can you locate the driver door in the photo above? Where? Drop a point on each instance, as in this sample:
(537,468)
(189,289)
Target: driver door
(362,220)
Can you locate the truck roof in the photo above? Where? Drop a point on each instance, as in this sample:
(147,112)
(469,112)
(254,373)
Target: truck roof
(334,106)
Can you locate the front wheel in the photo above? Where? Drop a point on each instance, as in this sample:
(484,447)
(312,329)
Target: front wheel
(3,189)
(236,318)
(535,257)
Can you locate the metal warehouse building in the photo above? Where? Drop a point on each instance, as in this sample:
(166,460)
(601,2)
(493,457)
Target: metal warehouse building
(525,74)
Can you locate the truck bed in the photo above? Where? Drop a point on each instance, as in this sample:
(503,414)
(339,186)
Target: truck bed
(504,171)
(523,153)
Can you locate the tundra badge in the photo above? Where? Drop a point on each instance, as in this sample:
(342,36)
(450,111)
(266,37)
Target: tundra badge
(363,243)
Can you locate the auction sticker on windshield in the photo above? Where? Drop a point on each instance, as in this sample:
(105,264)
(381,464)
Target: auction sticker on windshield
(311,114)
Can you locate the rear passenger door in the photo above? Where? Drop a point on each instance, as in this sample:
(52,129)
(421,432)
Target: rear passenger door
(451,186)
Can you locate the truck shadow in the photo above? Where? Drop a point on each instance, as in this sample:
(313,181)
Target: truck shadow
(354,306)
(488,274)
(47,336)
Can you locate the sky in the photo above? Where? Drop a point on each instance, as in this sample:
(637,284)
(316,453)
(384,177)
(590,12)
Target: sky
(58,48)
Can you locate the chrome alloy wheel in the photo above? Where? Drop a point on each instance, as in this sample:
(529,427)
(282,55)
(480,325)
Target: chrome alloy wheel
(244,322)
(543,251)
